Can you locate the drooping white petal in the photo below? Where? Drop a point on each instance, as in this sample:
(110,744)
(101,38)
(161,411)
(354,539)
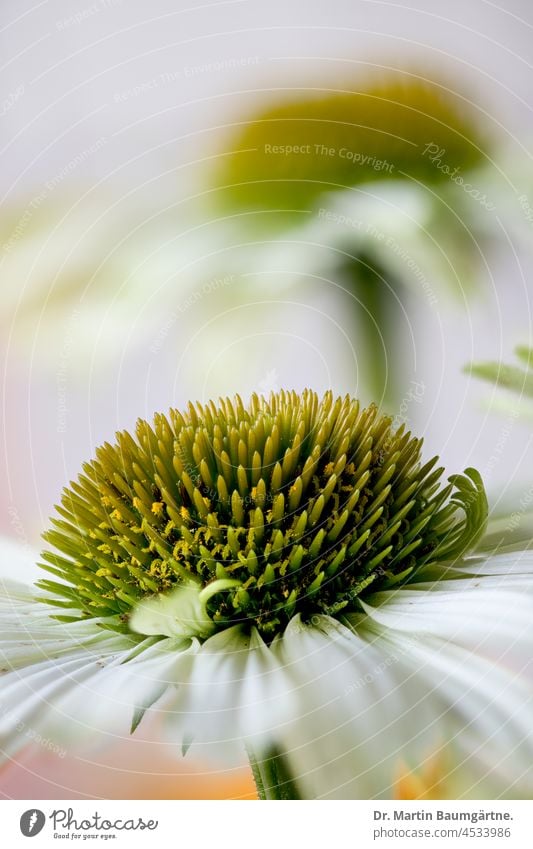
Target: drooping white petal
(29,631)
(235,690)
(479,617)
(78,682)
(484,711)
(92,694)
(473,639)
(106,701)
(71,682)
(361,710)
(33,700)
(416,697)
(509,566)
(75,681)
(231,692)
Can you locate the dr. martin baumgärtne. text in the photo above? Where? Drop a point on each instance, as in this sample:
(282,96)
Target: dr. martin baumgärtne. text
(463,816)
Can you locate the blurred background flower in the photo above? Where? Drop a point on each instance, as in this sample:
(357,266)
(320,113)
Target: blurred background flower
(511,524)
(131,281)
(389,186)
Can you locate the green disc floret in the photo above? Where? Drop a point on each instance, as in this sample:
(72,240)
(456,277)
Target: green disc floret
(292,504)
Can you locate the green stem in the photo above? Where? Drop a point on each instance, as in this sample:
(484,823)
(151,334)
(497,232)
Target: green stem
(271,775)
(379,324)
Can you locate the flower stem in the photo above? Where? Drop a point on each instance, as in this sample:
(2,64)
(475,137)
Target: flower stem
(271,775)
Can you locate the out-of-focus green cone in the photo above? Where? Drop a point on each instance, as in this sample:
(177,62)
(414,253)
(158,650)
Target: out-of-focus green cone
(314,142)
(292,158)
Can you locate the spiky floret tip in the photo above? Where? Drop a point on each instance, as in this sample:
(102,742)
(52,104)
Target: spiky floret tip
(287,504)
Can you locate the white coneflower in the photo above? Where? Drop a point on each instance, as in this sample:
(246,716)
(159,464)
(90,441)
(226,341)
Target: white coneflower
(289,576)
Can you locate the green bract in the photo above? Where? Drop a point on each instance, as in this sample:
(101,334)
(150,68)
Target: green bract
(293,504)
(516,378)
(399,127)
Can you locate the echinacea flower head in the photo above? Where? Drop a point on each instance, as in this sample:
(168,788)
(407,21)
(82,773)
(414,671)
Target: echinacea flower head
(325,139)
(288,574)
(292,505)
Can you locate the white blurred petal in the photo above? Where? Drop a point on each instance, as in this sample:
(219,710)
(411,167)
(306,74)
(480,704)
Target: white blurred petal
(480,617)
(67,681)
(236,690)
(506,566)
(361,710)
(483,708)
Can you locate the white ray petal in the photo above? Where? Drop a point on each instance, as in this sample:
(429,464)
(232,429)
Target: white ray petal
(509,565)
(82,699)
(72,682)
(361,710)
(487,619)
(485,709)
(235,690)
(32,699)
(513,582)
(29,632)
